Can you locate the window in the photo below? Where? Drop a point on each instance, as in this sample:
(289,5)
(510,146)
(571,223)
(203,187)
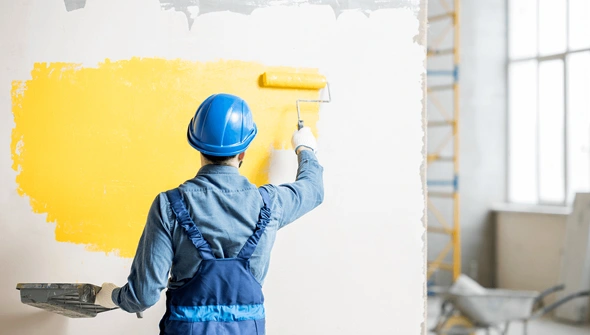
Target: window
(549,100)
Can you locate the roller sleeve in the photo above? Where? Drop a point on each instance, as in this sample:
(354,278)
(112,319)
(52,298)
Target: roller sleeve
(307,81)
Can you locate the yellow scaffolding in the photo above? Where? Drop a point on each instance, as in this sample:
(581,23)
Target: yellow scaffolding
(441,225)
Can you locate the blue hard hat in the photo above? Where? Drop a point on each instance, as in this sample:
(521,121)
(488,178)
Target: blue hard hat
(222,126)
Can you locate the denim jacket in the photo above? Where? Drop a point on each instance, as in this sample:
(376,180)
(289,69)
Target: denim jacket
(225,207)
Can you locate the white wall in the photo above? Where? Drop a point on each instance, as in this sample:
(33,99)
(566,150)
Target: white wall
(483,130)
(529,248)
(353,266)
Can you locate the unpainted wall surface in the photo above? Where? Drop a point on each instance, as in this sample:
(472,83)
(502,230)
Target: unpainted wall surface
(94,101)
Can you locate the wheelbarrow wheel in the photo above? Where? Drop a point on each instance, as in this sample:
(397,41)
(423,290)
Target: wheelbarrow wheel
(457,325)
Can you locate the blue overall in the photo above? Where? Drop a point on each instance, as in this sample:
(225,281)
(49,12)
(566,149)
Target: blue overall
(223,297)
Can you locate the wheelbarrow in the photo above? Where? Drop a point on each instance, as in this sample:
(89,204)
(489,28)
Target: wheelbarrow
(463,313)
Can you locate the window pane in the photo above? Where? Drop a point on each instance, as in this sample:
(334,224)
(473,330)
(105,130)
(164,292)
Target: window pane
(523,132)
(551,132)
(579,24)
(523,28)
(578,134)
(552,17)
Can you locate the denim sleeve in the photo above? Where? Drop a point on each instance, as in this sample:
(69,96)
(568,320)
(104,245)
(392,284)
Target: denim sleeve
(152,262)
(306,193)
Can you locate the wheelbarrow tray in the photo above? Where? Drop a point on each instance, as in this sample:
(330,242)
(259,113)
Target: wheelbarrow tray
(494,306)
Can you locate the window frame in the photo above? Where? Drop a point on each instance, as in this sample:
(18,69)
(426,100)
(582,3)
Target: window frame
(563,56)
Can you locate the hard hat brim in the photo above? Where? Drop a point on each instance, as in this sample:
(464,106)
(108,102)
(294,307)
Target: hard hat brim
(229,150)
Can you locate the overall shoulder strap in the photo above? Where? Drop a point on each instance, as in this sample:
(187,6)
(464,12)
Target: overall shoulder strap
(263,220)
(185,220)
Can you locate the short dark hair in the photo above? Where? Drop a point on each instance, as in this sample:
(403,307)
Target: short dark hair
(217,159)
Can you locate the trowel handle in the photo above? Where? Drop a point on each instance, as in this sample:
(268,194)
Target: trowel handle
(139,315)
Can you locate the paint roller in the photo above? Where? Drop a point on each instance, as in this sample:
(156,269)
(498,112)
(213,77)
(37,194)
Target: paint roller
(301,81)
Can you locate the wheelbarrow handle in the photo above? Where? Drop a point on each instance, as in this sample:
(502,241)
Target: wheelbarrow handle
(539,303)
(560,302)
(549,291)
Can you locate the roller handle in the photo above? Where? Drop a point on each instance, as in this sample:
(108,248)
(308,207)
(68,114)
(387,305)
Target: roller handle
(299,124)
(139,315)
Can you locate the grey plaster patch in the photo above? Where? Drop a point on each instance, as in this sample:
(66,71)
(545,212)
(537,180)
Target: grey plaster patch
(183,6)
(74,4)
(247,6)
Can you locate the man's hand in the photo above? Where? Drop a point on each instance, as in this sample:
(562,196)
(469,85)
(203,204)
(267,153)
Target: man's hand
(103,297)
(303,138)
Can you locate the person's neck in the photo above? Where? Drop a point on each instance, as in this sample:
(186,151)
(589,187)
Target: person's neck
(234,162)
(221,164)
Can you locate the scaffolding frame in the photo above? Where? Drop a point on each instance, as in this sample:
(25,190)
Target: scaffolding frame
(450,227)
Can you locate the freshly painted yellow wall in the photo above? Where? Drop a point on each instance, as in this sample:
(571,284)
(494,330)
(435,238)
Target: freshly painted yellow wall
(94,146)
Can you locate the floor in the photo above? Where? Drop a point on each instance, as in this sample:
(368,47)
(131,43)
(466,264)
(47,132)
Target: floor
(544,326)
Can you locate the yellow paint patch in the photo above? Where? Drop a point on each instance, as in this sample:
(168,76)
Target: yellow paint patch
(94,146)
